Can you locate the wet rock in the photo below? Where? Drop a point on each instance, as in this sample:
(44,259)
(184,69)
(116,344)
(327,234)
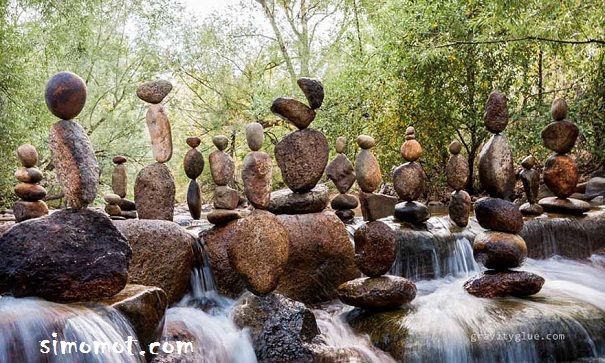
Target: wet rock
(313,90)
(345,214)
(558,109)
(70,255)
(223,216)
(375,248)
(255,136)
(75,163)
(28,155)
(384,292)
(498,250)
(28,210)
(285,201)
(302,157)
(561,175)
(498,215)
(222,167)
(119,180)
(457,171)
(411,212)
(531,209)
(376,206)
(225,198)
(344,201)
(496,171)
(595,187)
(162,255)
(256,174)
(366,142)
(194,199)
(493,284)
(340,171)
(408,181)
(294,111)
(193,141)
(496,112)
(65,95)
(560,136)
(193,163)
(221,142)
(154,91)
(531,184)
(30,192)
(127,205)
(460,208)
(258,251)
(564,206)
(367,171)
(28,175)
(154,192)
(160,133)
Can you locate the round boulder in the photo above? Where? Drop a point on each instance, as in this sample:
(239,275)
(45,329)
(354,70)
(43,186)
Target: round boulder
(561,175)
(255,136)
(375,248)
(558,109)
(384,292)
(411,212)
(498,215)
(499,251)
(65,95)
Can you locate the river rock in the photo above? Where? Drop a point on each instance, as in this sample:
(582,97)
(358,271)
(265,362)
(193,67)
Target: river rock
(65,95)
(375,248)
(225,198)
(255,136)
(496,170)
(341,144)
(193,141)
(221,142)
(408,181)
(345,214)
(411,212)
(28,175)
(154,192)
(113,210)
(162,255)
(28,210)
(376,206)
(531,209)
(119,180)
(457,171)
(498,250)
(498,215)
(460,207)
(455,147)
(223,216)
(340,171)
(193,163)
(367,171)
(294,111)
(256,174)
(112,198)
(258,251)
(127,205)
(222,167)
(558,109)
(75,163)
(493,284)
(30,192)
(285,201)
(119,159)
(313,90)
(28,155)
(531,184)
(70,255)
(496,112)
(344,201)
(564,206)
(160,133)
(194,199)
(154,91)
(595,187)
(411,150)
(366,142)
(560,136)
(384,292)
(302,157)
(561,175)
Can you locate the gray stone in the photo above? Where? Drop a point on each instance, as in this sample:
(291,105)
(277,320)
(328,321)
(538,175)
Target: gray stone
(154,191)
(457,171)
(193,163)
(340,171)
(225,198)
(255,136)
(119,180)
(412,212)
(194,199)
(531,184)
(531,209)
(496,170)
(285,201)
(294,111)
(560,136)
(564,206)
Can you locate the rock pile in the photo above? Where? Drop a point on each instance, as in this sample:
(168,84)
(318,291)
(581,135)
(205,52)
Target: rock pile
(500,248)
(113,206)
(341,172)
(531,183)
(560,171)
(222,169)
(28,190)
(193,163)
(456,171)
(119,186)
(409,181)
(375,252)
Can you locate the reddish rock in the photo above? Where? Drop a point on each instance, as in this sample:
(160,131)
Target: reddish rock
(221,142)
(223,216)
(384,292)
(28,175)
(225,198)
(193,141)
(493,284)
(411,150)
(367,171)
(561,175)
(313,90)
(256,174)
(409,181)
(560,136)
(65,95)
(119,180)
(499,251)
(30,192)
(222,167)
(498,215)
(119,159)
(193,163)
(154,191)
(294,111)
(375,248)
(160,133)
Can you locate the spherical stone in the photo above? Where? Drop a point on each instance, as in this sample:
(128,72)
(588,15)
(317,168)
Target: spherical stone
(341,144)
(313,90)
(294,111)
(529,162)
(225,198)
(259,251)
(384,292)
(257,170)
(222,167)
(531,209)
(255,136)
(112,198)
(376,206)
(119,159)
(564,206)
(558,110)
(531,184)
(460,207)
(65,95)
(411,150)
(154,91)
(496,170)
(160,133)
(344,201)
(456,172)
(375,248)
(496,112)
(193,141)
(285,201)
(560,136)
(30,192)
(193,163)
(498,215)
(455,147)
(340,171)
(498,250)
(561,175)
(412,212)
(28,175)
(409,181)
(119,180)
(194,199)
(28,155)
(220,141)
(493,284)
(24,210)
(365,141)
(302,157)
(367,171)
(154,191)
(113,210)
(223,216)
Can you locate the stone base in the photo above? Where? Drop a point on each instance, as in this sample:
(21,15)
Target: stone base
(285,201)
(564,206)
(223,216)
(28,210)
(504,283)
(384,292)
(412,212)
(376,206)
(345,214)
(528,209)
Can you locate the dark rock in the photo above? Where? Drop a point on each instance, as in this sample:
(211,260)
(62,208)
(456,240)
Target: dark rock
(119,180)
(127,205)
(223,216)
(129,214)
(340,171)
(528,162)
(154,192)
(294,111)
(496,171)
(65,95)
(376,206)
(160,133)
(408,181)
(595,187)
(255,136)
(564,206)
(313,90)
(412,212)
(119,159)
(531,184)
(113,210)
(375,248)
(367,171)
(384,292)
(496,112)
(498,215)
(221,142)
(194,200)
(493,284)
(222,167)
(256,174)
(28,155)
(460,207)
(561,175)
(457,171)
(531,209)
(344,201)
(560,136)
(285,201)
(558,109)
(193,163)
(193,141)
(30,192)
(455,147)
(28,175)
(28,210)
(498,250)
(154,91)
(345,214)
(225,198)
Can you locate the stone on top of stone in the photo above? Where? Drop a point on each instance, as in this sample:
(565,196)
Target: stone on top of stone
(193,141)
(365,141)
(112,198)
(160,133)
(341,144)
(411,149)
(119,159)
(558,110)
(375,248)
(255,136)
(294,111)
(528,162)
(410,133)
(220,141)
(65,95)
(313,90)
(28,175)
(154,91)
(28,155)
(560,136)
(455,147)
(496,112)
(193,163)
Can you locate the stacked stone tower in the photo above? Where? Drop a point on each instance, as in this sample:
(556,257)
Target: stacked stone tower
(257,171)
(222,169)
(119,186)
(531,184)
(31,193)
(456,171)
(341,172)
(193,163)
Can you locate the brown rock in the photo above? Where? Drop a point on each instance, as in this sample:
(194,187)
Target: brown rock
(384,292)
(498,215)
(367,171)
(30,192)
(455,147)
(376,206)
(558,110)
(528,162)
(498,250)
(154,91)
(411,150)
(313,90)
(221,142)
(345,214)
(340,171)
(365,141)
(154,192)
(225,198)
(564,206)
(28,155)
(112,198)
(496,112)
(119,180)
(531,209)
(127,205)
(302,157)
(113,210)
(285,201)
(65,95)
(75,163)
(28,210)
(255,136)
(561,175)
(160,133)
(457,171)
(256,174)
(409,181)
(28,175)
(411,212)
(531,184)
(193,141)
(375,248)
(119,159)
(222,167)
(194,199)
(496,170)
(560,136)
(493,284)
(294,111)
(223,216)
(344,201)
(341,144)
(193,163)
(460,208)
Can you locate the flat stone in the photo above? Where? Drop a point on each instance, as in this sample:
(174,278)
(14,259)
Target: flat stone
(285,201)
(561,175)
(345,215)
(313,90)
(194,199)
(30,192)
(409,181)
(496,112)
(375,248)
(255,136)
(154,91)
(28,210)
(220,141)
(531,184)
(294,111)
(385,292)
(193,163)
(223,216)
(457,171)
(341,172)
(119,180)
(367,171)
(65,95)
(560,136)
(302,157)
(193,141)
(496,170)
(411,212)
(127,205)
(160,133)
(564,206)
(531,209)
(75,163)
(28,175)
(344,201)
(498,215)
(154,191)
(225,197)
(459,208)
(366,142)
(498,250)
(376,206)
(129,214)
(28,155)
(493,284)
(113,210)
(558,109)
(222,167)
(112,198)
(257,171)
(411,150)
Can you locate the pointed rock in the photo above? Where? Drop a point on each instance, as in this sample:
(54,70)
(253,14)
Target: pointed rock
(294,111)
(340,171)
(313,90)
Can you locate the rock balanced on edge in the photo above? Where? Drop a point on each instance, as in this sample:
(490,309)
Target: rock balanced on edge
(341,172)
(500,248)
(193,163)
(222,169)
(457,171)
(531,184)
(28,190)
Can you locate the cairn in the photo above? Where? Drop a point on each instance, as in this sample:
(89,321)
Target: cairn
(29,190)
(531,183)
(119,186)
(257,170)
(560,171)
(500,248)
(456,171)
(113,206)
(222,169)
(193,163)
(341,172)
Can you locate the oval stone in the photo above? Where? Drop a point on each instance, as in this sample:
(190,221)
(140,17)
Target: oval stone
(194,199)
(222,167)
(459,208)
(375,248)
(457,171)
(411,212)
(193,141)
(411,150)
(313,90)
(65,95)
(455,147)
(193,163)
(112,198)
(561,175)
(255,136)
(493,284)
(558,109)
(119,180)
(409,181)
(220,141)
(24,210)
(257,170)
(344,201)
(340,171)
(499,251)
(496,170)
(28,175)
(154,91)
(294,111)
(367,171)
(160,133)
(384,292)
(560,136)
(496,112)
(365,141)
(341,144)
(498,215)
(119,159)
(154,191)
(28,155)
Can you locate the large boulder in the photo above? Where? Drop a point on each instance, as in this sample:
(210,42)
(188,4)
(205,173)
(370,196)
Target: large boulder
(162,255)
(154,191)
(498,215)
(285,201)
(70,255)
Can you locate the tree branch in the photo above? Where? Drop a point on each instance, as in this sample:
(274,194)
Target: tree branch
(527,38)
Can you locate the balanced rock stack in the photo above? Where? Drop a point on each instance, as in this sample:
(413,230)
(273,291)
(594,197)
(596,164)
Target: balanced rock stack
(456,171)
(113,206)
(500,248)
(154,187)
(302,155)
(341,172)
(409,182)
(531,183)
(367,173)
(222,169)
(31,193)
(119,186)
(375,252)
(257,170)
(193,163)
(560,171)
